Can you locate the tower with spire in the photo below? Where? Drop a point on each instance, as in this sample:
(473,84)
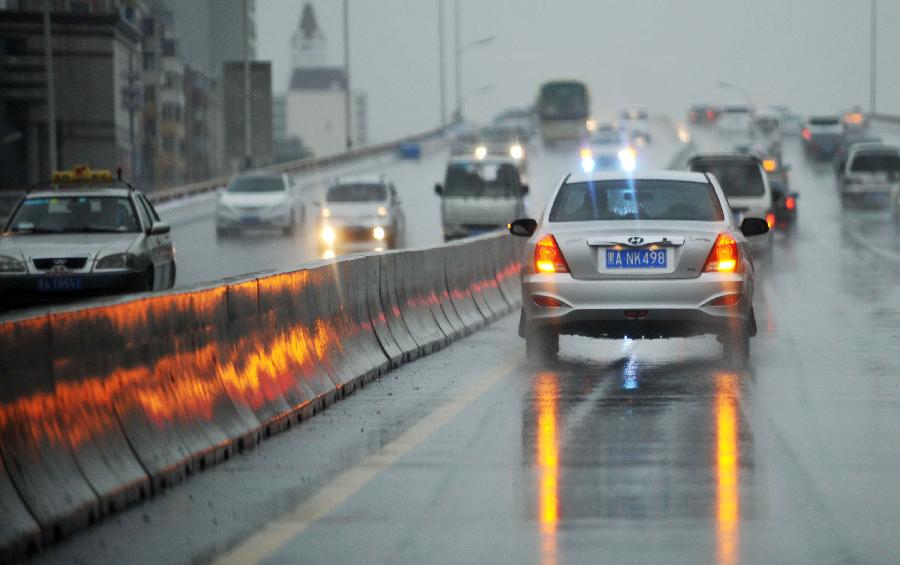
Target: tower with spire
(308,46)
(315,99)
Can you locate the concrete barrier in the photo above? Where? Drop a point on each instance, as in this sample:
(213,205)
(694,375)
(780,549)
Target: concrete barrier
(34,442)
(105,403)
(458,274)
(390,344)
(390,304)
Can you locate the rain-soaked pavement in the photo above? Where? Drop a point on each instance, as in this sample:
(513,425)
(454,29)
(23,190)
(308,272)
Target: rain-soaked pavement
(623,452)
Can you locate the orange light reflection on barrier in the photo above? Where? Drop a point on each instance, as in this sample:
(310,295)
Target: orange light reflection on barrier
(181,385)
(548,465)
(727,395)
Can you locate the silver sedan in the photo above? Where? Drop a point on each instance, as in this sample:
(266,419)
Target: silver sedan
(650,255)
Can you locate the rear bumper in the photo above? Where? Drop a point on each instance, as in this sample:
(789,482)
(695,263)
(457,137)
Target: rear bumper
(638,308)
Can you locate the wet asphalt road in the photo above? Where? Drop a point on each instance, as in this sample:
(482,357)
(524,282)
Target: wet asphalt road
(624,452)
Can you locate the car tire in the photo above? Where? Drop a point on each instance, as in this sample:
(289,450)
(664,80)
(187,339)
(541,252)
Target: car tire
(291,229)
(736,348)
(541,344)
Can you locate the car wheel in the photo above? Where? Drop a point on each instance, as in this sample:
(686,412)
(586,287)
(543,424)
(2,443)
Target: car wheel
(736,348)
(541,344)
(291,228)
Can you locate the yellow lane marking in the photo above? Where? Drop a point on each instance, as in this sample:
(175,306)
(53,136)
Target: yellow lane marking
(275,534)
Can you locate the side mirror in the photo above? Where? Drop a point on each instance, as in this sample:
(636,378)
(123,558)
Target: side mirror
(159,228)
(524,227)
(524,189)
(438,189)
(751,227)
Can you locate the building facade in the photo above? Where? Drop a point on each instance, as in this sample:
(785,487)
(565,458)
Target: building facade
(95,122)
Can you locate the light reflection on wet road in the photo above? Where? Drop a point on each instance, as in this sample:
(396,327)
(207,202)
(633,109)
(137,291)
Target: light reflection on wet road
(628,451)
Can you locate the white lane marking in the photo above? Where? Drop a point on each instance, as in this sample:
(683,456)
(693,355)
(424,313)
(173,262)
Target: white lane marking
(277,533)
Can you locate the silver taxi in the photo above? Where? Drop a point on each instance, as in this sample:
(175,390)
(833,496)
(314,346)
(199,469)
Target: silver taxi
(85,233)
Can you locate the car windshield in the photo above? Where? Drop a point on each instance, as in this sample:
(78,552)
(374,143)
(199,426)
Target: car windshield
(766,125)
(357,192)
(256,184)
(875,163)
(636,200)
(607,137)
(634,115)
(482,179)
(736,179)
(75,214)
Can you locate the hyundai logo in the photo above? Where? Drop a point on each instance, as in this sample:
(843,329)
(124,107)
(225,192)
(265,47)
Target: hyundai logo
(635,240)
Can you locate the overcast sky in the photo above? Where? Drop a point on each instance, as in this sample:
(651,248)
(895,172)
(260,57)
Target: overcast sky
(810,54)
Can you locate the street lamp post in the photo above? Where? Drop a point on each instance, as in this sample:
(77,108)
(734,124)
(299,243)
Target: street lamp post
(459,50)
(51,90)
(873,57)
(248,122)
(347,75)
(442,62)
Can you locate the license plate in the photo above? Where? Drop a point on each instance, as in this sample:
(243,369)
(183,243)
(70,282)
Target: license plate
(636,259)
(60,284)
(249,219)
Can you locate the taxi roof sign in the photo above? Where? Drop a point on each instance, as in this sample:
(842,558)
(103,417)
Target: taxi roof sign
(81,173)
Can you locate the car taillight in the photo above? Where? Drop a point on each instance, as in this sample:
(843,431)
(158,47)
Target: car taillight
(548,258)
(723,257)
(770,219)
(790,203)
(806,134)
(710,115)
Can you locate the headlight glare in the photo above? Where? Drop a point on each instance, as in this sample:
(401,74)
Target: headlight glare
(328,235)
(378,233)
(11,265)
(326,212)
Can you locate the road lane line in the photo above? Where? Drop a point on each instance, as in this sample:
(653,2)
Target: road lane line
(274,535)
(872,248)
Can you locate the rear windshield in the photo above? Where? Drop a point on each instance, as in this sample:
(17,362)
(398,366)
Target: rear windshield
(767,124)
(736,179)
(824,121)
(359,192)
(482,179)
(875,162)
(256,184)
(631,199)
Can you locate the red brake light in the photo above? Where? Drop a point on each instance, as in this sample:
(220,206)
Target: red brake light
(723,257)
(790,203)
(710,115)
(548,258)
(770,219)
(806,134)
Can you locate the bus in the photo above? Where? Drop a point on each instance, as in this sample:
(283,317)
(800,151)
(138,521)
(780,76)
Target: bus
(563,109)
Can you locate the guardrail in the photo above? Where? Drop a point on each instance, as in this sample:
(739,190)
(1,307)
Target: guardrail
(107,403)
(297,166)
(885,118)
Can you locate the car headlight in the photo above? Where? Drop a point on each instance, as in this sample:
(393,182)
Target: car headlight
(326,212)
(382,211)
(11,265)
(328,235)
(628,159)
(378,233)
(480,152)
(116,261)
(516,151)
